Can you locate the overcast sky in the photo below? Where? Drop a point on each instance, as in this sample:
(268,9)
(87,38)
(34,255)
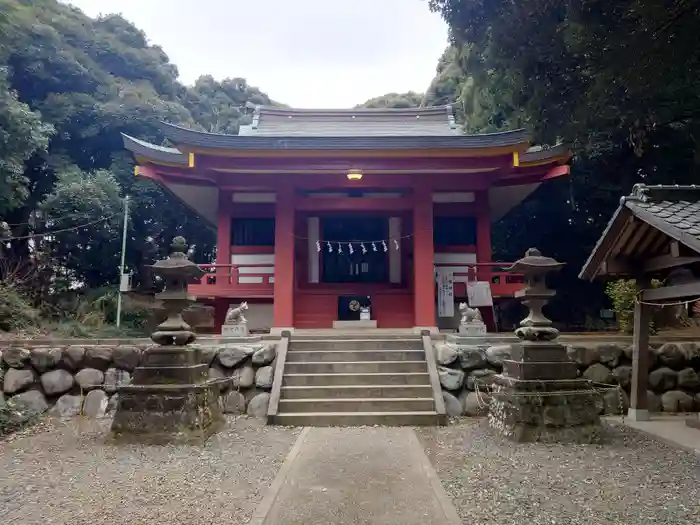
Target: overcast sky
(305,53)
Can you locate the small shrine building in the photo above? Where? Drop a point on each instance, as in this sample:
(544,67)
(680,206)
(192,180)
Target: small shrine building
(322,212)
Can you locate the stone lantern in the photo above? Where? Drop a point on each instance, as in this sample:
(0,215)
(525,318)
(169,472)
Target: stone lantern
(539,396)
(171,398)
(177,271)
(535,267)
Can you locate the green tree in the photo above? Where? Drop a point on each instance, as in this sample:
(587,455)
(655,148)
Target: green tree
(85,210)
(22,134)
(394,100)
(91,80)
(616,80)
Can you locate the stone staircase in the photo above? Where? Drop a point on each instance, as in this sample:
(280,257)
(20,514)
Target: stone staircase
(357,380)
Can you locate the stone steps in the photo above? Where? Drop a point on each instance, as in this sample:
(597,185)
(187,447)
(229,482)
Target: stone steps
(356,367)
(350,391)
(328,419)
(358,404)
(355,344)
(300,356)
(382,378)
(356,380)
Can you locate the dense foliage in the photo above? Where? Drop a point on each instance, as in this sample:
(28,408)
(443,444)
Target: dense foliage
(616,80)
(394,100)
(69,85)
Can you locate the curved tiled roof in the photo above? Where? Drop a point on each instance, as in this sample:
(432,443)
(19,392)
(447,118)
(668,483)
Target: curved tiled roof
(543,154)
(167,155)
(189,137)
(154,152)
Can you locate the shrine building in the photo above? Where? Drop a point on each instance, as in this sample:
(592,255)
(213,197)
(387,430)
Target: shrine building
(324,216)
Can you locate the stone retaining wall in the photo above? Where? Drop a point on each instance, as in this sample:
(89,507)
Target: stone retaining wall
(674,379)
(65,379)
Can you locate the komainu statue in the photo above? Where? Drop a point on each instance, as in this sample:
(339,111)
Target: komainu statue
(235,315)
(469,315)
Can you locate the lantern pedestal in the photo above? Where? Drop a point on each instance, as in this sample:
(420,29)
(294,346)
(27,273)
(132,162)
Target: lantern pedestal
(171,398)
(539,397)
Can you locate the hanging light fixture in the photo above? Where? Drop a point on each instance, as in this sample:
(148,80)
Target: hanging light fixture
(354,174)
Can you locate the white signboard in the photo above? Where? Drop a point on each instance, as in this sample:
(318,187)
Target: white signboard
(446,295)
(479,294)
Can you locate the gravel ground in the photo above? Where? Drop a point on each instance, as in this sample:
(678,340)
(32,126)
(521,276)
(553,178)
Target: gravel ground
(68,475)
(629,480)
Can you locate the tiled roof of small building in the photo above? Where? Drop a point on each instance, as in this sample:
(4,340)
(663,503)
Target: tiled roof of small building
(674,211)
(678,207)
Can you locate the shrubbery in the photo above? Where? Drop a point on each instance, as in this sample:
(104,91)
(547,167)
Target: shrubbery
(73,314)
(15,415)
(16,311)
(623,294)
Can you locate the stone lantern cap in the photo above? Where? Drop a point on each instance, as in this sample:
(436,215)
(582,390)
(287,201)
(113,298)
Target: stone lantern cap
(535,262)
(177,263)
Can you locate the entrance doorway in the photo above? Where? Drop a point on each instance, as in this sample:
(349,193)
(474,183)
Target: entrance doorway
(356,267)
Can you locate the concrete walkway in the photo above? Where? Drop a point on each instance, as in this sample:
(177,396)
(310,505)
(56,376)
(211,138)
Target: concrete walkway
(670,429)
(357,475)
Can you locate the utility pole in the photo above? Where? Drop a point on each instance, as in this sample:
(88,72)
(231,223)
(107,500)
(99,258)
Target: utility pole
(121,265)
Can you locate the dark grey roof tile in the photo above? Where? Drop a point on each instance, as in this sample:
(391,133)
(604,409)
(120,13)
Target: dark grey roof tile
(673,210)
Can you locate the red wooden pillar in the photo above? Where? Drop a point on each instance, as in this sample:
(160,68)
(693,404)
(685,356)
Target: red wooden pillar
(283,308)
(423,260)
(483,234)
(223,237)
(483,250)
(223,255)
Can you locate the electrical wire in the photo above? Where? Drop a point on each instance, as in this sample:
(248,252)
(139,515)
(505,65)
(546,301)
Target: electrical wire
(48,218)
(45,234)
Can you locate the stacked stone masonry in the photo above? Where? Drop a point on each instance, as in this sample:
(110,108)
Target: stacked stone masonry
(65,380)
(674,376)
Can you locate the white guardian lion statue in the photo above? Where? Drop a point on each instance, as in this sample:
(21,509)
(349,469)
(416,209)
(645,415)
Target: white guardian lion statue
(469,315)
(235,315)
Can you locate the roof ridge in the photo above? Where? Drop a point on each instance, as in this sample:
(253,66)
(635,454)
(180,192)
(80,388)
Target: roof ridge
(644,192)
(167,126)
(422,110)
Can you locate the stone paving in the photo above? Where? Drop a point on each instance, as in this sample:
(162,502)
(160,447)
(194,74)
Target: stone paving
(358,475)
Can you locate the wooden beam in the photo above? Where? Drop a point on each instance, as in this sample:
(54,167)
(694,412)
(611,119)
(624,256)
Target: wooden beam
(625,231)
(647,241)
(440,182)
(353,204)
(663,262)
(669,293)
(637,236)
(616,266)
(658,243)
(675,249)
(639,407)
(287,162)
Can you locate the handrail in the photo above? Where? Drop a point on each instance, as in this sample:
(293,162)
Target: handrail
(280,360)
(433,374)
